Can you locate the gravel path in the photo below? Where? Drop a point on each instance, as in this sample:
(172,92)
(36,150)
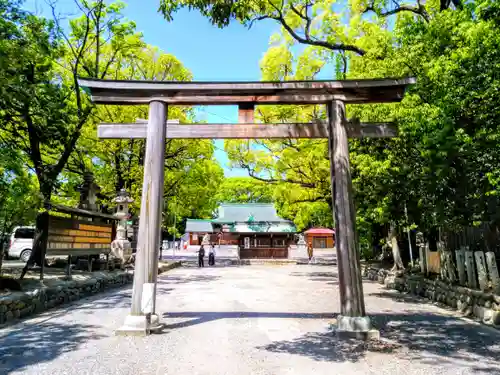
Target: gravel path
(249,320)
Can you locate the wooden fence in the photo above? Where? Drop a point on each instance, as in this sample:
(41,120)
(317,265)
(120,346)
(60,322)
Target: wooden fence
(467,257)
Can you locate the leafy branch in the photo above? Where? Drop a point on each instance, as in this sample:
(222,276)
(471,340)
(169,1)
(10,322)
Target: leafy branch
(279,15)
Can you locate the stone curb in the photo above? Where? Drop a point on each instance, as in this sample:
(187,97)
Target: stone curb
(18,305)
(275,262)
(481,306)
(280,262)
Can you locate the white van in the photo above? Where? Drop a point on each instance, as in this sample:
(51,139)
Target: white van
(21,241)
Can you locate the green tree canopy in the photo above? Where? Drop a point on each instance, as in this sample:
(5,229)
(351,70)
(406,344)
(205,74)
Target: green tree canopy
(244,190)
(43,108)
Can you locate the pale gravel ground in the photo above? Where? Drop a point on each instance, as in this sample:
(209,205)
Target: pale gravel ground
(270,320)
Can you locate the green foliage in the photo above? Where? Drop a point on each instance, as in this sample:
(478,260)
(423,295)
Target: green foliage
(49,123)
(19,198)
(444,165)
(244,190)
(191,172)
(33,113)
(43,108)
(445,162)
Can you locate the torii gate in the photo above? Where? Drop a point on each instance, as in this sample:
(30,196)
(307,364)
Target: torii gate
(352,320)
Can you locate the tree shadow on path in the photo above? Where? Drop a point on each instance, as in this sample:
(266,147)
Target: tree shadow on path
(324,346)
(315,274)
(328,278)
(403,297)
(27,345)
(428,338)
(423,337)
(192,318)
(185,280)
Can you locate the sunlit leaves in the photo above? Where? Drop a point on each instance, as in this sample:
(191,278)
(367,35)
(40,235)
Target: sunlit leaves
(244,190)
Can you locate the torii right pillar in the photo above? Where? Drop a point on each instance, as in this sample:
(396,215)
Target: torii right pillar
(352,321)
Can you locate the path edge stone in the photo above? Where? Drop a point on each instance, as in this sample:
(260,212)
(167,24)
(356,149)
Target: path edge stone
(483,307)
(18,305)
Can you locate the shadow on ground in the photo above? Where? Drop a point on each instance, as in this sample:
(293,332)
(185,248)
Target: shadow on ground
(195,317)
(174,280)
(325,263)
(322,275)
(25,345)
(324,346)
(114,298)
(400,297)
(430,338)
(38,343)
(121,296)
(329,278)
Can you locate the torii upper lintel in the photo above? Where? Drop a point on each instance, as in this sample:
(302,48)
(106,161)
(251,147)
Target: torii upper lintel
(360,91)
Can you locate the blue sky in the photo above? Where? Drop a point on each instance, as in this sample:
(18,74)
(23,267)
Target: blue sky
(212,54)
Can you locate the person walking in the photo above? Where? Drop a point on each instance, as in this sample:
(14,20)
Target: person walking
(211,255)
(310,250)
(201,255)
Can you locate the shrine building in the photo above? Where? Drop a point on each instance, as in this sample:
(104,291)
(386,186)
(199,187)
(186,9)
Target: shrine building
(253,229)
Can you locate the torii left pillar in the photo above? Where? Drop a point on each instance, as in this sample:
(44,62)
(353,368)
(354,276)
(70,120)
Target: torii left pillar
(142,318)
(352,321)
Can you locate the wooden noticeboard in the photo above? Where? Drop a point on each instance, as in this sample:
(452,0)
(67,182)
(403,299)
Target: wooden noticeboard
(78,237)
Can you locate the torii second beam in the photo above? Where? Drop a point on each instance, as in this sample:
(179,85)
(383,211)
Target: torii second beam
(246,131)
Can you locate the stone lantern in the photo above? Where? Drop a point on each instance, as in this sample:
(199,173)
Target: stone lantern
(121,247)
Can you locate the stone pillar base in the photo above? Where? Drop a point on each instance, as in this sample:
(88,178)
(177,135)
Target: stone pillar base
(135,325)
(356,327)
(140,325)
(154,325)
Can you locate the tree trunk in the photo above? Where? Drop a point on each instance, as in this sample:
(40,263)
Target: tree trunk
(41,232)
(432,238)
(3,240)
(330,204)
(396,253)
(120,181)
(376,236)
(39,242)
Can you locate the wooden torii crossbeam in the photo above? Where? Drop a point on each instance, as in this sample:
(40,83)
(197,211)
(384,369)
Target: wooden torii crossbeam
(246,94)
(247,131)
(352,320)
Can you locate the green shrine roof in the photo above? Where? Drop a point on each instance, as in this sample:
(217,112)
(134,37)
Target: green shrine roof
(261,227)
(244,218)
(197,225)
(249,212)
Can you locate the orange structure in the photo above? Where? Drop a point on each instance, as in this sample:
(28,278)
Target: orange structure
(321,238)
